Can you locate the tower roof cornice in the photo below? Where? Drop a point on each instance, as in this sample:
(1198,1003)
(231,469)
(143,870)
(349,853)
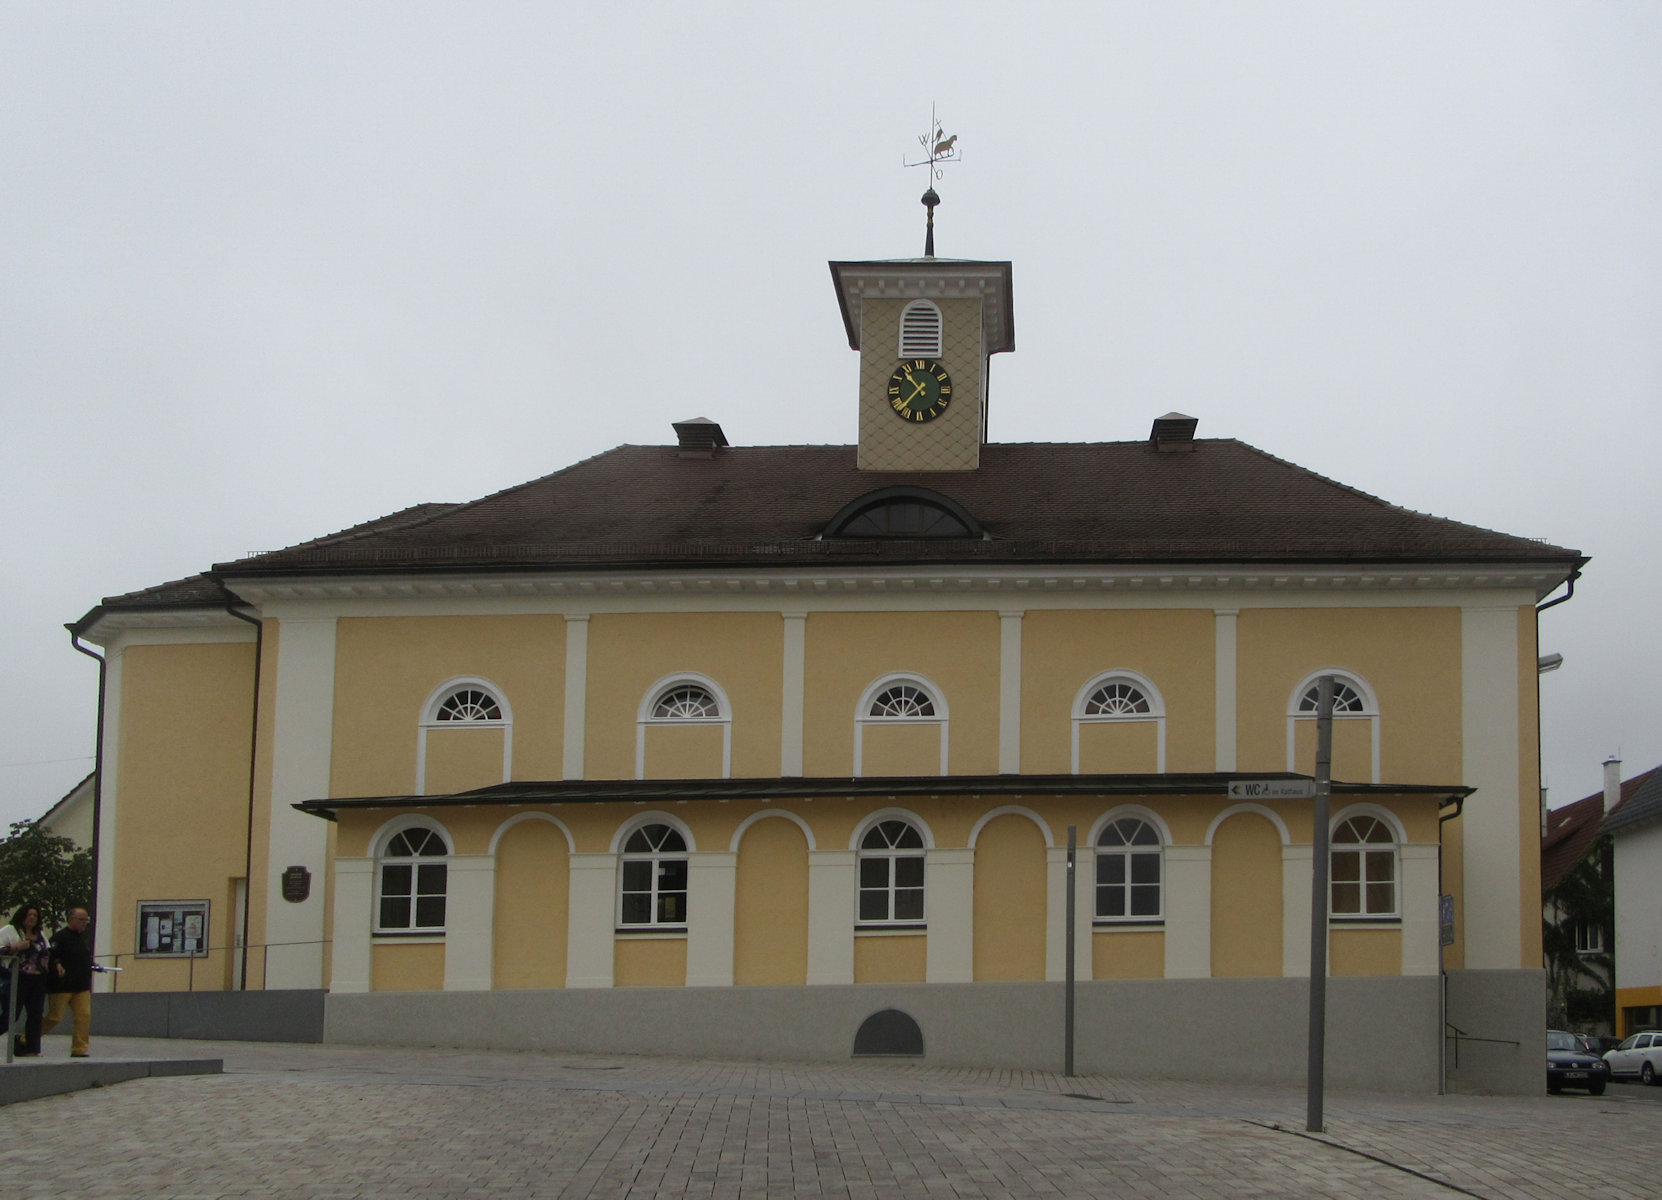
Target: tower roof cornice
(933,279)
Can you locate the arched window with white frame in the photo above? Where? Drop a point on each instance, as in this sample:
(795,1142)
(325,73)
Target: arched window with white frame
(1364,866)
(891,852)
(1116,707)
(1130,870)
(459,713)
(693,714)
(920,330)
(1355,725)
(411,878)
(893,707)
(652,876)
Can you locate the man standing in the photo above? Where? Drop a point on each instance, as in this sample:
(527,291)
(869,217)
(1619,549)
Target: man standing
(69,984)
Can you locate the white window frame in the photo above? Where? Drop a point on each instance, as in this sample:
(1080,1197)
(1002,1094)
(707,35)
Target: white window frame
(1163,835)
(383,837)
(861,855)
(649,701)
(863,717)
(656,857)
(1589,936)
(1369,713)
(430,720)
(1388,819)
(936,346)
(1155,715)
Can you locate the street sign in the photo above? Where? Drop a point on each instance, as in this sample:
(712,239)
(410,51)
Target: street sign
(1271,789)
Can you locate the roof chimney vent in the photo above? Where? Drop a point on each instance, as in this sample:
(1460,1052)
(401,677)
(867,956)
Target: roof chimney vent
(699,437)
(1174,431)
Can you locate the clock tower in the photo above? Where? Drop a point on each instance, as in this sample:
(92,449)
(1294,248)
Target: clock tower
(925,329)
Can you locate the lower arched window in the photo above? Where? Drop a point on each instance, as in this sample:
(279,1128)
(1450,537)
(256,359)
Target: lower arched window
(891,874)
(1129,861)
(1364,868)
(653,879)
(412,879)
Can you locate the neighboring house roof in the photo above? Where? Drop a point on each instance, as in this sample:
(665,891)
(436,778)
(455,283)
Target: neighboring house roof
(1641,803)
(1571,832)
(74,794)
(1114,502)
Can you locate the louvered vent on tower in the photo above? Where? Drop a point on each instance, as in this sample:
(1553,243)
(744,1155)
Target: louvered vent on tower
(920,330)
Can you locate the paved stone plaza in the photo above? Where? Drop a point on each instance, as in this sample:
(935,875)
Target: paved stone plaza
(326,1122)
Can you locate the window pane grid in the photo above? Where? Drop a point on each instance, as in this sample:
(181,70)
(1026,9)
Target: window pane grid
(652,881)
(1129,871)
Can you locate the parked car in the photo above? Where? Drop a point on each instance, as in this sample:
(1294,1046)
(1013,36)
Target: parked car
(1569,1066)
(1639,1057)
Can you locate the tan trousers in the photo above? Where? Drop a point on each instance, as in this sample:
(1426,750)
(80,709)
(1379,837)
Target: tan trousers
(80,1007)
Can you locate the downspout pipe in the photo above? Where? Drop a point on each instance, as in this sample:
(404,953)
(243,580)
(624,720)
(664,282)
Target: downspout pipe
(97,764)
(1569,591)
(253,758)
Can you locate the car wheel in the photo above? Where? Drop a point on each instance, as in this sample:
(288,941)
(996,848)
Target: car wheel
(1596,1089)
(1647,1075)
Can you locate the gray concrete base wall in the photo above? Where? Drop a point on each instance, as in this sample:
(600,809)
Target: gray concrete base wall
(1382,1032)
(1507,1009)
(274,1016)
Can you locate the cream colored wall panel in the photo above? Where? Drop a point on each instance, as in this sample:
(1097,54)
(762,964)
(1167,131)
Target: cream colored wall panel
(949,911)
(1246,898)
(1420,929)
(683,752)
(459,760)
(651,962)
(771,904)
(831,891)
(1128,953)
(1188,912)
(469,914)
(1009,883)
(354,917)
(1118,747)
(1489,722)
(891,958)
(712,878)
(593,920)
(1297,865)
(533,899)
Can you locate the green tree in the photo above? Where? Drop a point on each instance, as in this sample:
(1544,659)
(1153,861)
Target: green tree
(38,867)
(1581,987)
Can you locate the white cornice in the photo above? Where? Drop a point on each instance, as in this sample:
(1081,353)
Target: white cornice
(791,585)
(934,279)
(202,624)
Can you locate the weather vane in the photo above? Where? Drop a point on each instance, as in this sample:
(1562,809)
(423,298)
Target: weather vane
(938,148)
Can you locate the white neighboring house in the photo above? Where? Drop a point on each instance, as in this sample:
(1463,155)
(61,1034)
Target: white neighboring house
(1635,829)
(71,817)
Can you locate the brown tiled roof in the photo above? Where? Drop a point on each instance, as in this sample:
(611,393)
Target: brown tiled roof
(1640,804)
(1115,502)
(1571,831)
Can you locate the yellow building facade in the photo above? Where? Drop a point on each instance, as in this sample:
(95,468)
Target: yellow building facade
(802,736)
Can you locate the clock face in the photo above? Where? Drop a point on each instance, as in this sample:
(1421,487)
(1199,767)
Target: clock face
(920,390)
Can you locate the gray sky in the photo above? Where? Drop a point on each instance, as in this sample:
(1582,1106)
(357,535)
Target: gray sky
(266,272)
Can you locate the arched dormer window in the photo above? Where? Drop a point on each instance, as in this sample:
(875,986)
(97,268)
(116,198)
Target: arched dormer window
(904,512)
(685,700)
(1353,704)
(411,880)
(920,330)
(1120,697)
(466,705)
(900,699)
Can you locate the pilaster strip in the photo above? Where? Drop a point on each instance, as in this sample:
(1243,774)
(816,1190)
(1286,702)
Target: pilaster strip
(792,689)
(469,916)
(1224,671)
(1009,693)
(577,678)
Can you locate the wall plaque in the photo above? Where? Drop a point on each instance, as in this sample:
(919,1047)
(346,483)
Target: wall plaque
(297,884)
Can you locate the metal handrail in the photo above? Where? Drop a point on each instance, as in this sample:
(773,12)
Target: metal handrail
(1460,1035)
(203,952)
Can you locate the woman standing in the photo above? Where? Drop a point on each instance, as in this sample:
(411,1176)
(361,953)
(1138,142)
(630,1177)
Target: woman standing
(25,938)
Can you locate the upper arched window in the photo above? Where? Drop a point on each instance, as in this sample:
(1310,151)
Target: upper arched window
(652,884)
(468,704)
(1353,701)
(685,698)
(686,702)
(1364,868)
(1120,696)
(904,512)
(920,330)
(891,874)
(1129,871)
(900,700)
(411,881)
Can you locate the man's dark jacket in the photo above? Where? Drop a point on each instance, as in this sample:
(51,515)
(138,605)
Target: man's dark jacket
(71,951)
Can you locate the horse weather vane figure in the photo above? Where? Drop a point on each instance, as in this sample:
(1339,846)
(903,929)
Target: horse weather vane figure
(938,148)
